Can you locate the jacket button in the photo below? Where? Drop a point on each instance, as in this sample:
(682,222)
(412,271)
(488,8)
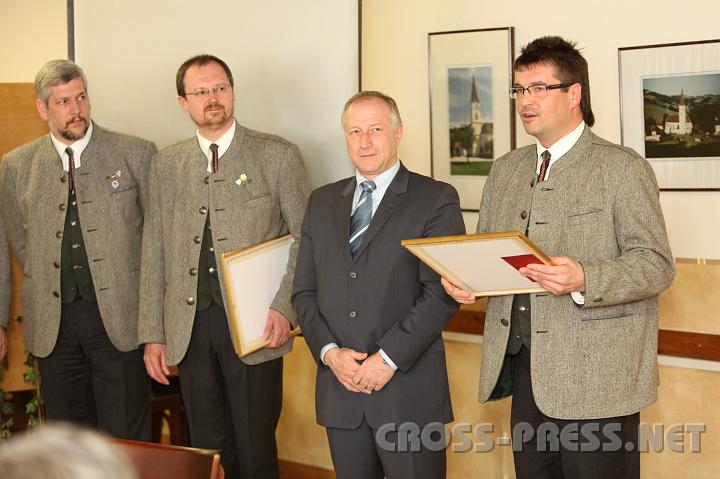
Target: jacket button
(193,271)
(207,180)
(58,234)
(61,206)
(190,301)
(56,294)
(56,264)
(63,179)
(203,210)
(504,322)
(532,183)
(197,240)
(353,314)
(524,214)
(353,275)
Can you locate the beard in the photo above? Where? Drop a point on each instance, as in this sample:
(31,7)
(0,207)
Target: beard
(72,135)
(218,117)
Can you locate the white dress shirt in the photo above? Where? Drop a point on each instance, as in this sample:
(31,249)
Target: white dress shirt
(223,144)
(78,146)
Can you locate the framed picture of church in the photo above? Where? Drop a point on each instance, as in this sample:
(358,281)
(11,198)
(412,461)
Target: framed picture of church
(472,118)
(670,111)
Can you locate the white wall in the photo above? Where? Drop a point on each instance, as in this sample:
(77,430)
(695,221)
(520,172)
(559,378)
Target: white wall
(395,61)
(293,70)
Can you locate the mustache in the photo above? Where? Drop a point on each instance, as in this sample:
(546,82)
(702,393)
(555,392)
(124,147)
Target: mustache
(78,117)
(213,106)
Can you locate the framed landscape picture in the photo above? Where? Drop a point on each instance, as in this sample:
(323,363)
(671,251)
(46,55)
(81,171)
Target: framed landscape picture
(472,118)
(670,111)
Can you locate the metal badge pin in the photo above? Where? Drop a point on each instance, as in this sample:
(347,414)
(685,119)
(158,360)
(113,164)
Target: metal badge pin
(115,183)
(243,180)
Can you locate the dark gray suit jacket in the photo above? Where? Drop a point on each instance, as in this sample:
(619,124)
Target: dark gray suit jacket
(383,298)
(34,191)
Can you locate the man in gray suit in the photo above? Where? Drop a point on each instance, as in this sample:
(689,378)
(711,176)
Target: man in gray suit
(582,356)
(225,188)
(73,211)
(371,313)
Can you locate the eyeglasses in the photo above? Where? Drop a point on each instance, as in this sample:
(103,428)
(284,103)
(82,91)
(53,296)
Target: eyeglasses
(539,90)
(203,93)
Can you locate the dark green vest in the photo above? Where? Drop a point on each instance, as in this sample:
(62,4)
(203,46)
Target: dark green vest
(75,276)
(208,290)
(519,324)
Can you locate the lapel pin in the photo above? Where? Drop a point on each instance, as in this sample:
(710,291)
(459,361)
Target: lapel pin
(243,180)
(115,183)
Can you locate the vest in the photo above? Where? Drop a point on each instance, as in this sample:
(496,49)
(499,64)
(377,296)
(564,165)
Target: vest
(208,290)
(75,276)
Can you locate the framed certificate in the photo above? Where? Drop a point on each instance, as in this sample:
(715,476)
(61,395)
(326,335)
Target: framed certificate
(252,277)
(484,264)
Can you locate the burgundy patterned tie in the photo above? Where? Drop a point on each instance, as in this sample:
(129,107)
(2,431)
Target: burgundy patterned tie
(545,156)
(214,161)
(71,167)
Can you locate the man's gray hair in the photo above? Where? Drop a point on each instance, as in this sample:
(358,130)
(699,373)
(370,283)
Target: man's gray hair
(63,451)
(368,94)
(56,72)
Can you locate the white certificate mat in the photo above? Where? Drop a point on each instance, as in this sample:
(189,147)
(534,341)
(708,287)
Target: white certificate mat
(485,264)
(252,277)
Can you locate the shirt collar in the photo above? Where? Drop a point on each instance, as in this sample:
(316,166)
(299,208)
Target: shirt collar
(78,146)
(223,143)
(563,145)
(383,180)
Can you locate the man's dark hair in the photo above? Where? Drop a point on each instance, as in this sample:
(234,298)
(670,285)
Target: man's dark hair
(570,66)
(199,60)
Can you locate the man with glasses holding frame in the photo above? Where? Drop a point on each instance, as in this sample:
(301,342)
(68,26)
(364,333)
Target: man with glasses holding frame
(580,359)
(225,188)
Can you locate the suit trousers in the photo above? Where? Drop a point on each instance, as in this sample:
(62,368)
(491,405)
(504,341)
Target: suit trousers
(357,455)
(86,380)
(230,405)
(548,448)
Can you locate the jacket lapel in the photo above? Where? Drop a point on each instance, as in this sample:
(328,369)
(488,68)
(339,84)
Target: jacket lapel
(342,211)
(391,200)
(576,154)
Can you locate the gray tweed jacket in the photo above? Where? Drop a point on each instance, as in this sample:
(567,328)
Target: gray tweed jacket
(34,192)
(267,206)
(600,206)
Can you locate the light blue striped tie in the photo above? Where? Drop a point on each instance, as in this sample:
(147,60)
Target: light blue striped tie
(361,217)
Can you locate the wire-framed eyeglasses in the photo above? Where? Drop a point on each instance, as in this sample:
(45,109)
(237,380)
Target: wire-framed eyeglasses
(538,90)
(202,93)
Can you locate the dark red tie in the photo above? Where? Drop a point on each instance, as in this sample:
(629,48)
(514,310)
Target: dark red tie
(545,156)
(71,167)
(214,160)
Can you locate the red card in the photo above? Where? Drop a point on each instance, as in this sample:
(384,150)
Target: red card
(521,260)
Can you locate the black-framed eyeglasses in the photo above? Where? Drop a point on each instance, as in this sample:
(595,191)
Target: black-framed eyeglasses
(202,93)
(537,90)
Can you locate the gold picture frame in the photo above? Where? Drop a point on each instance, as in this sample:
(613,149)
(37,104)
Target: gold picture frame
(251,277)
(485,264)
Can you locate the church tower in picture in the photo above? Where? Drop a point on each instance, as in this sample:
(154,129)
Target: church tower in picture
(475,120)
(680,124)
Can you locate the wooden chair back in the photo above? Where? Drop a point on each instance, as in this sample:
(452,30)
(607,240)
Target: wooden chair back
(161,461)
